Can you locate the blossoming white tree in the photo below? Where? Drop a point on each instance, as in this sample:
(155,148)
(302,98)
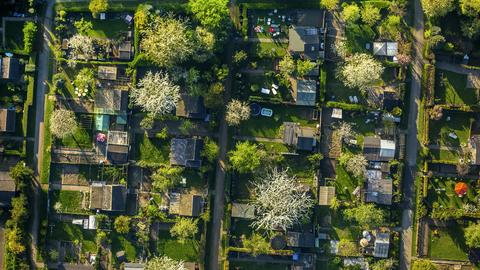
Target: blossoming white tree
(279,200)
(81,47)
(237,111)
(63,123)
(156,93)
(164,263)
(355,164)
(166,41)
(360,71)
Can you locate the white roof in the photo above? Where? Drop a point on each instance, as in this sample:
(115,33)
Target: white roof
(387,148)
(337,113)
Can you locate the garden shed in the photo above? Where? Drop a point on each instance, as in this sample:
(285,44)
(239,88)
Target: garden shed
(10,69)
(326,195)
(382,245)
(187,205)
(186,152)
(117,147)
(7,189)
(379,189)
(303,138)
(385,48)
(107,72)
(107,197)
(304,92)
(300,239)
(191,107)
(108,101)
(376,149)
(7,120)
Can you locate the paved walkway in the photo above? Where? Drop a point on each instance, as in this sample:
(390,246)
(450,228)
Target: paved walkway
(457,68)
(219,195)
(412,140)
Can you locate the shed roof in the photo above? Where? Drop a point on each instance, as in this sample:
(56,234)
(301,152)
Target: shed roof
(381,246)
(107,197)
(107,72)
(379,189)
(10,68)
(191,107)
(109,101)
(305,92)
(385,48)
(302,240)
(243,210)
(303,138)
(326,195)
(7,189)
(376,149)
(186,152)
(188,205)
(7,120)
(309,17)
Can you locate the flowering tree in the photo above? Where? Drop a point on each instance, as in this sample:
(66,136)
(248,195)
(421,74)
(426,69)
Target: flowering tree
(280,202)
(437,8)
(164,263)
(167,41)
(355,164)
(345,131)
(81,47)
(98,6)
(237,111)
(156,94)
(84,82)
(184,229)
(360,71)
(63,123)
(212,14)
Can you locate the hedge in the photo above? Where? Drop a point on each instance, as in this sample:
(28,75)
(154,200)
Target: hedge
(346,106)
(323,83)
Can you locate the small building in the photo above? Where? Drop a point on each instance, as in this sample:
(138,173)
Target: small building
(187,205)
(376,149)
(7,120)
(108,101)
(117,147)
(134,266)
(125,50)
(337,113)
(186,152)
(304,92)
(379,189)
(303,138)
(382,245)
(243,210)
(474,145)
(107,197)
(326,195)
(304,41)
(385,48)
(7,189)
(386,97)
(10,69)
(107,73)
(191,107)
(300,240)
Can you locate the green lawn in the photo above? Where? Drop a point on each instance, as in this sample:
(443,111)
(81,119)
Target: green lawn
(14,35)
(449,244)
(110,28)
(269,49)
(269,127)
(299,166)
(345,184)
(459,124)
(66,231)
(121,243)
(151,151)
(194,178)
(342,229)
(170,247)
(452,89)
(442,190)
(70,201)
(337,91)
(444,155)
(82,138)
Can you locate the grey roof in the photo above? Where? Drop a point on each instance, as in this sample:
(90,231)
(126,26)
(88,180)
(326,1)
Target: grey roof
(108,101)
(125,50)
(379,189)
(475,146)
(305,92)
(7,189)
(243,210)
(186,152)
(385,48)
(10,68)
(302,137)
(376,149)
(382,244)
(117,147)
(7,120)
(107,72)
(302,240)
(191,107)
(107,197)
(305,41)
(188,205)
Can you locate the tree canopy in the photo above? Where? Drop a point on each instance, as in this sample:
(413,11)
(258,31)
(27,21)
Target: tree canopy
(350,13)
(122,224)
(156,94)
(437,8)
(366,215)
(360,71)
(164,263)
(237,111)
(472,235)
(256,244)
(423,265)
(98,6)
(29,32)
(166,177)
(184,229)
(280,201)
(370,14)
(212,14)
(246,157)
(329,4)
(63,123)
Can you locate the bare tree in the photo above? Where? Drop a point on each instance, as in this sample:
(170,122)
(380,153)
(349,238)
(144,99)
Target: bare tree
(156,94)
(63,123)
(237,111)
(280,201)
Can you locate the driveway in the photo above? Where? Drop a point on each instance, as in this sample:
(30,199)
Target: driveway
(412,140)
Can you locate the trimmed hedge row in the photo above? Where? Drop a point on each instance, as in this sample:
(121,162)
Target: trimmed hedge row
(346,106)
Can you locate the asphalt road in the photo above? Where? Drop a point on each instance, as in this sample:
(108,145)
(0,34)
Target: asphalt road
(412,141)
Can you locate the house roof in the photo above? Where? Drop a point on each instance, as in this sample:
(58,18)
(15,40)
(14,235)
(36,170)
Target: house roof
(326,195)
(381,246)
(109,101)
(379,189)
(305,92)
(243,210)
(10,68)
(304,40)
(7,189)
(188,205)
(191,107)
(302,240)
(186,152)
(376,149)
(107,197)
(385,48)
(7,120)
(302,137)
(107,72)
